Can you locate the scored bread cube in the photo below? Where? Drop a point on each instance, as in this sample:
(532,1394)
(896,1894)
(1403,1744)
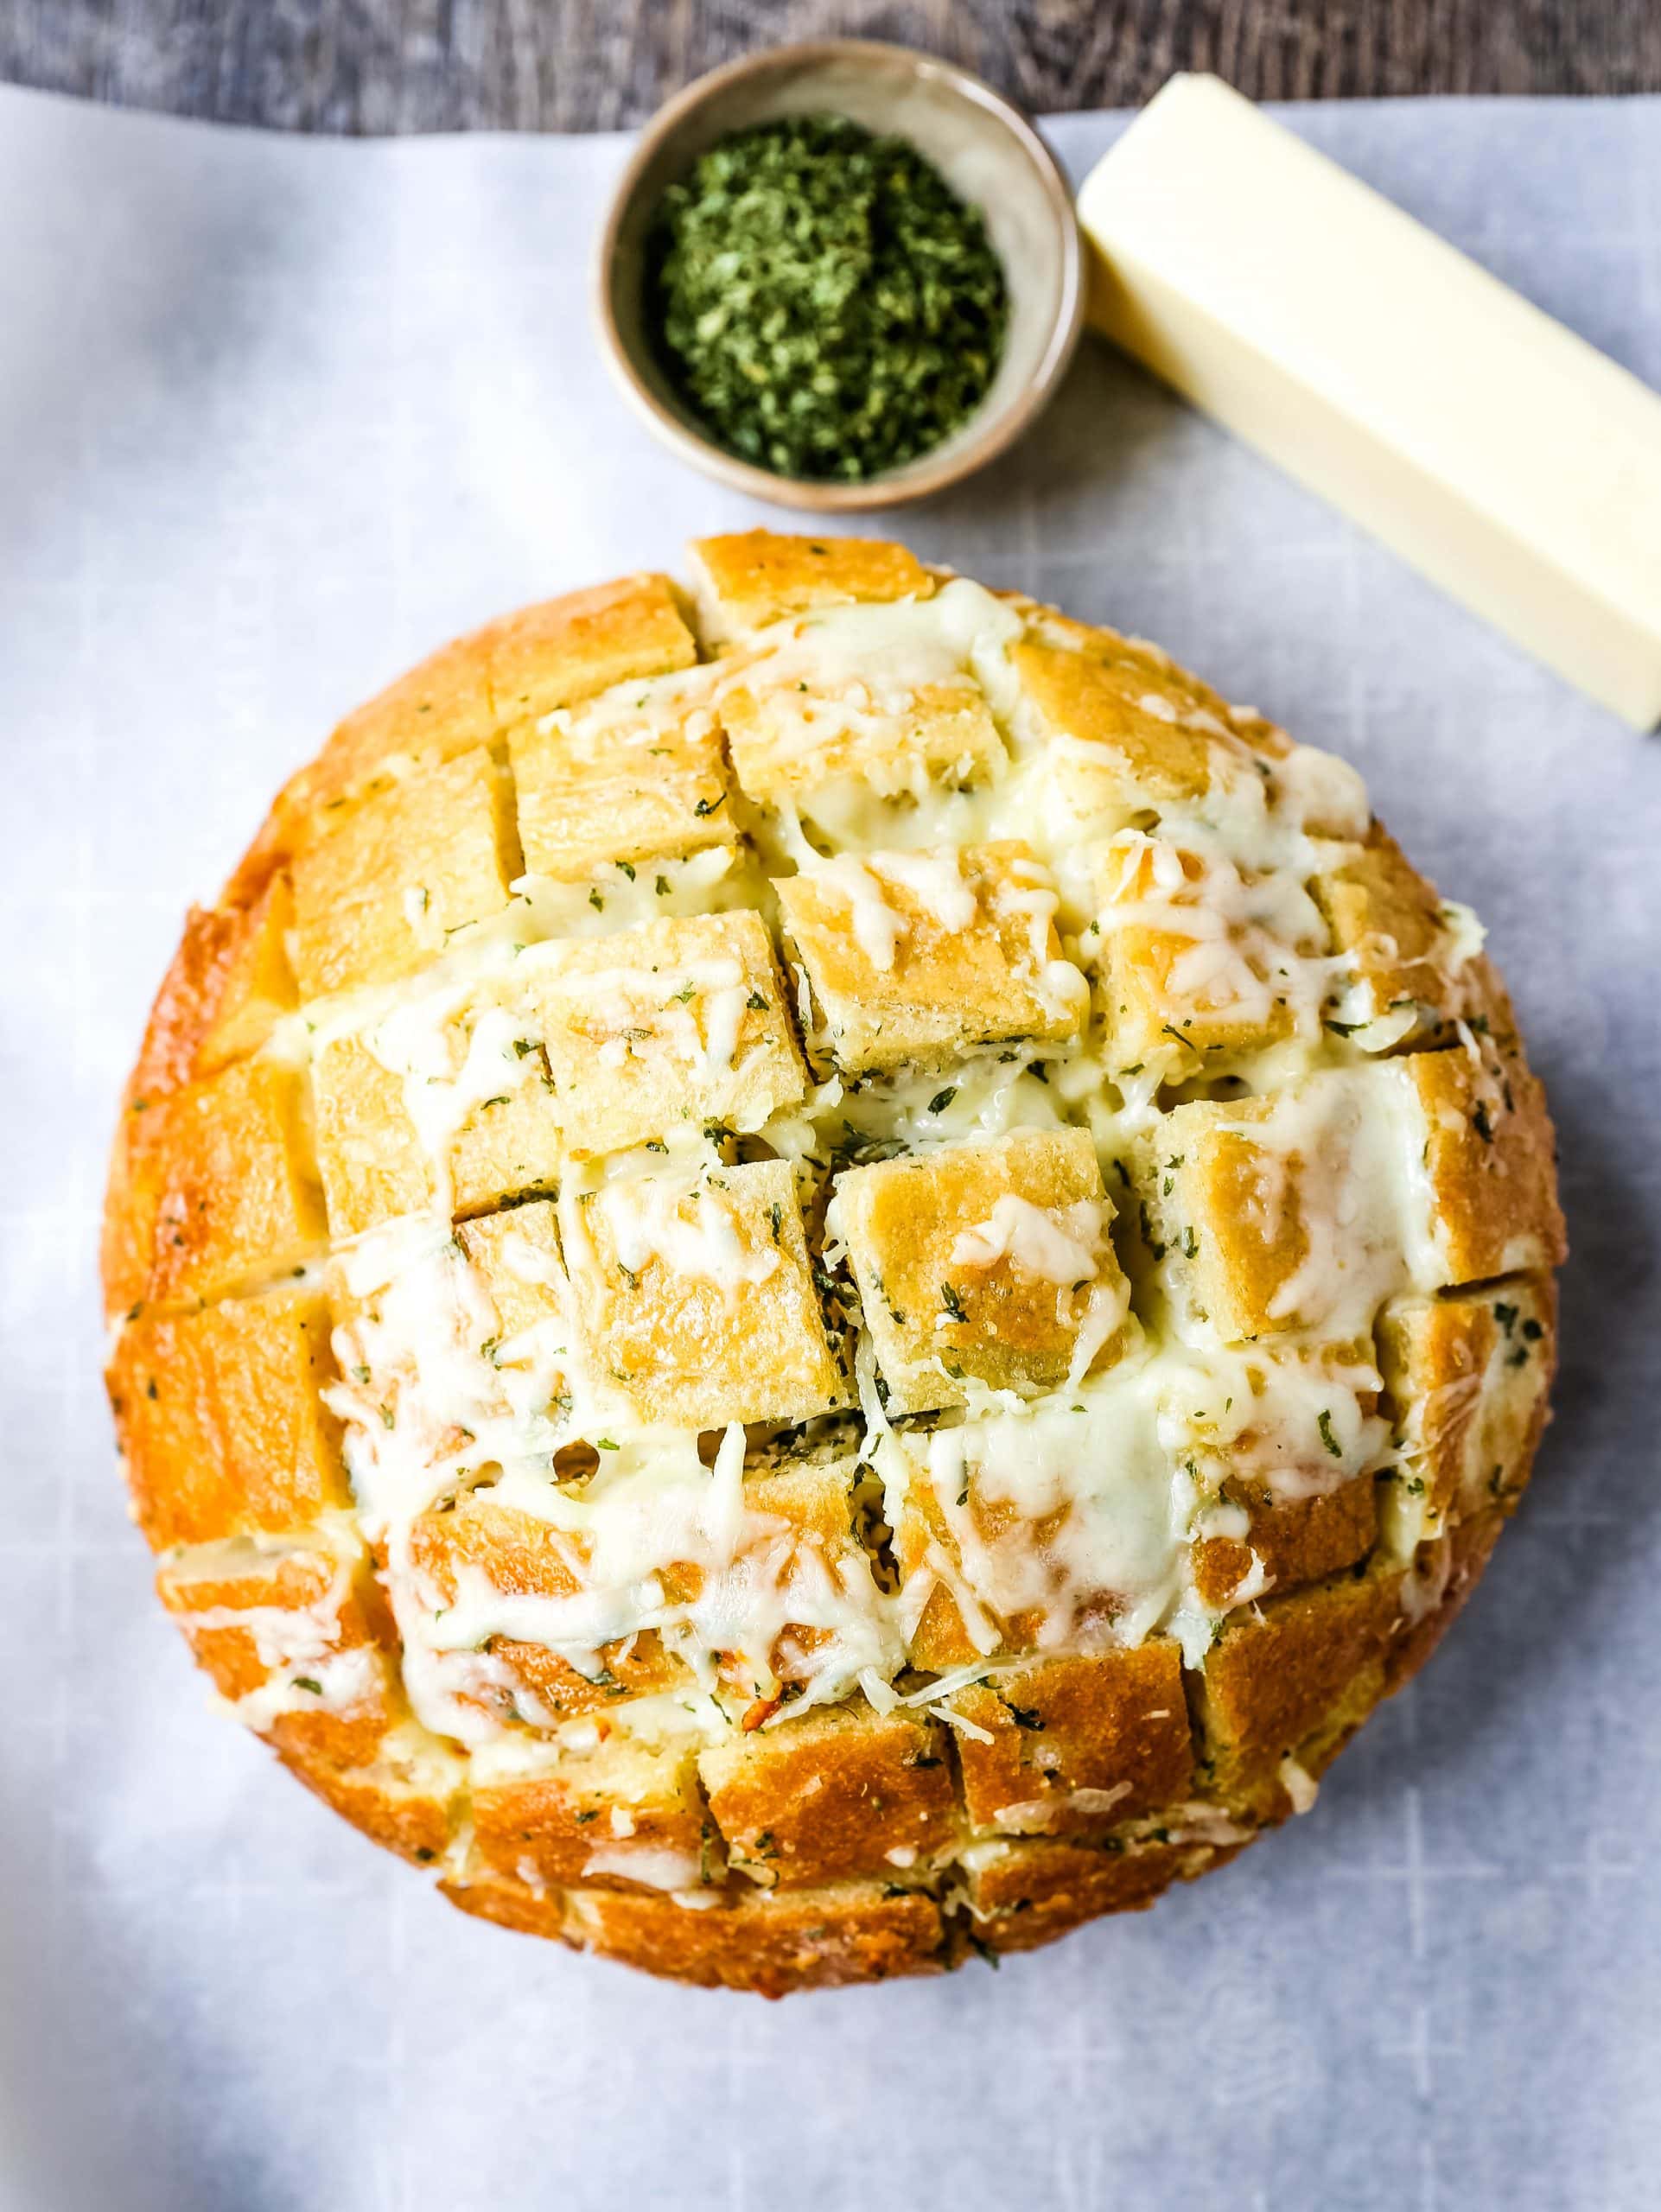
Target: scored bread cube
(407,1796)
(1199,959)
(231,1188)
(662,1029)
(838,1793)
(221,1420)
(694,1296)
(792,735)
(560,651)
(1469,1375)
(1389,921)
(1025,1893)
(251,1609)
(1074,1746)
(374,1161)
(1042,1531)
(381,893)
(1292,1212)
(635,776)
(293,1631)
(487,1548)
(515,1254)
(371,1162)
(1288,1679)
(1127,732)
(749,578)
(1307,1209)
(429,1294)
(989,1262)
(1127,742)
(437,709)
(553,654)
(773,1942)
(225,989)
(602,1807)
(918,956)
(809,1509)
(1279,1543)
(1487,1150)
(229,985)
(1285,1418)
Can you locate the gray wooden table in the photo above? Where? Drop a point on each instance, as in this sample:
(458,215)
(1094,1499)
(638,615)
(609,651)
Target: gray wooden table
(582,65)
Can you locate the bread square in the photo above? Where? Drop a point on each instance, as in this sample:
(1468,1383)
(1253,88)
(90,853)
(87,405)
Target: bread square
(241,983)
(799,1534)
(799,744)
(1024,1894)
(749,578)
(563,651)
(373,1162)
(921,955)
(815,1506)
(252,1611)
(407,1797)
(1388,920)
(1472,1369)
(1289,1677)
(983,1261)
(1127,736)
(236,1198)
(835,1795)
(385,890)
(774,1943)
(1287,1541)
(1014,1535)
(303,1621)
(1079,1745)
(633,777)
(472,1539)
(1117,730)
(515,1254)
(607,1809)
(1201,962)
(222,1422)
(542,658)
(493,1289)
(659,1030)
(1488,1151)
(695,1298)
(437,709)
(1283,1214)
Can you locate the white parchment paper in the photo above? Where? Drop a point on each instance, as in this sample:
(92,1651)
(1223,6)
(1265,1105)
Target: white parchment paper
(278,415)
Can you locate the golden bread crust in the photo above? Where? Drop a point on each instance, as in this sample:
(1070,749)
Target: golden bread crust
(820,1276)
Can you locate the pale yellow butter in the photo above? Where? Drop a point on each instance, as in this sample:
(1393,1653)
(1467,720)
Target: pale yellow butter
(1514,464)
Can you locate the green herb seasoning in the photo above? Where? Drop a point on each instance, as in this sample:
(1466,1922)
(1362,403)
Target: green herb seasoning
(821,300)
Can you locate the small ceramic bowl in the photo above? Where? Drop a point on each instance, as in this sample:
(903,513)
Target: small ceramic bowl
(986,150)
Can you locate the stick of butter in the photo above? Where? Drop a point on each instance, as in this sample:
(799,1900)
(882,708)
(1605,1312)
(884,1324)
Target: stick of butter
(1510,461)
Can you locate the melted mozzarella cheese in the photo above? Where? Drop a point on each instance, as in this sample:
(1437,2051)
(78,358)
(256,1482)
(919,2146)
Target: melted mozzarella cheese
(1072,1515)
(647,1219)
(1058,1244)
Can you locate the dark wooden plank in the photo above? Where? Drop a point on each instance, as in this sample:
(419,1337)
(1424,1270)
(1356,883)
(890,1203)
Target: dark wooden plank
(578,65)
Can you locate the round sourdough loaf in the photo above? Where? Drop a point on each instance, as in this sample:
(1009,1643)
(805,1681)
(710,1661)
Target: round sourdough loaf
(818,1275)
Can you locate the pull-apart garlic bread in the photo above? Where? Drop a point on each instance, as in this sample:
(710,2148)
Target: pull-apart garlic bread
(818,1275)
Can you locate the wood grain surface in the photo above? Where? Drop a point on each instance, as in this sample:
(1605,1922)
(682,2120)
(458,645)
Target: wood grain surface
(581,64)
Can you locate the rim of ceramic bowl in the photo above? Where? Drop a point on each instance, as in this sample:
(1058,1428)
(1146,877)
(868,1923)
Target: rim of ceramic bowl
(972,449)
